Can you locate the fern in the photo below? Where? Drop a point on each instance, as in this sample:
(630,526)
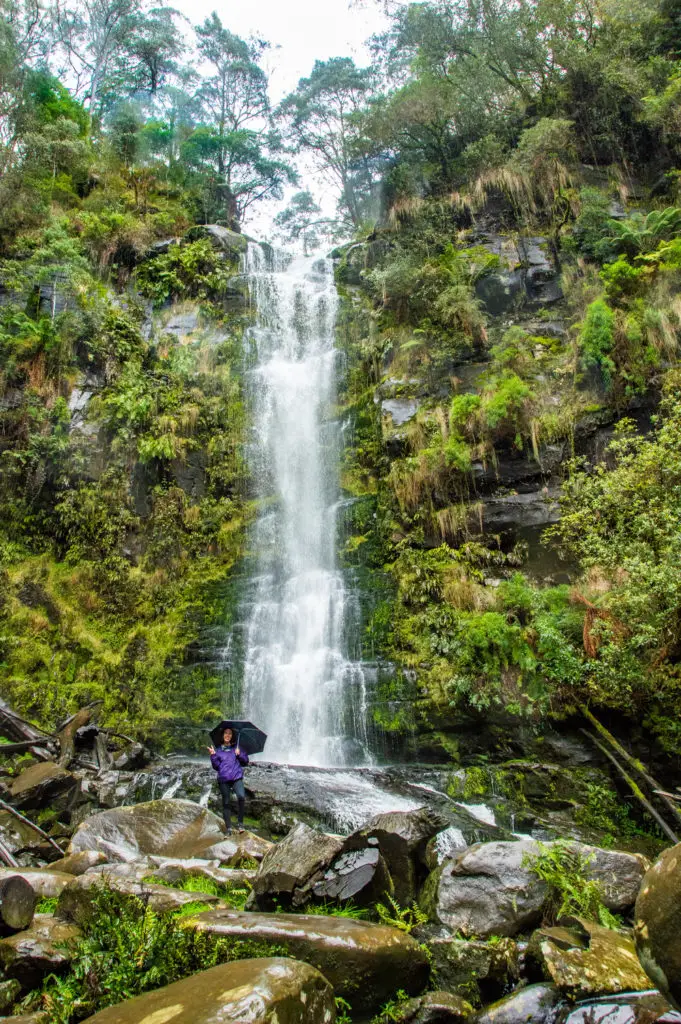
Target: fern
(406,919)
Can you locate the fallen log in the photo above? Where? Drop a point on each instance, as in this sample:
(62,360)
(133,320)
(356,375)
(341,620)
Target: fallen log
(14,727)
(67,734)
(634,763)
(17,904)
(9,749)
(7,857)
(31,824)
(635,789)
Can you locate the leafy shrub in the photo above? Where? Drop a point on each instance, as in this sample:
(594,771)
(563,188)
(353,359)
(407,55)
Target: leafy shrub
(622,281)
(127,949)
(597,338)
(194,270)
(563,868)
(592,227)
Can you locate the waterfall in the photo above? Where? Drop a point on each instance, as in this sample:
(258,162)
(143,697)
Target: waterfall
(298,684)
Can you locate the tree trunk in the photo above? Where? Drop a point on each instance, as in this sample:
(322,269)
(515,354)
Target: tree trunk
(17,904)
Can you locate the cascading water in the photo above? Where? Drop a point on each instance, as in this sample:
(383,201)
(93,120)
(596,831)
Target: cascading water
(297,682)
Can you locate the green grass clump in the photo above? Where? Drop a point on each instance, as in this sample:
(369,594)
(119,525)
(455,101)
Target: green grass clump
(234,895)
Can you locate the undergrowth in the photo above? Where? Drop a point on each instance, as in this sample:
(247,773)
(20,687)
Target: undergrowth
(127,949)
(569,891)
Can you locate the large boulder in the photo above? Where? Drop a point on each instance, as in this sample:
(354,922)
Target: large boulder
(583,959)
(360,876)
(479,971)
(30,955)
(402,838)
(490,889)
(535,1004)
(173,828)
(243,992)
(75,902)
(298,860)
(657,928)
(45,784)
(366,963)
(434,1008)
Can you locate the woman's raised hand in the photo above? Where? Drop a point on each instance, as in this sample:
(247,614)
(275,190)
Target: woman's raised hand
(211,750)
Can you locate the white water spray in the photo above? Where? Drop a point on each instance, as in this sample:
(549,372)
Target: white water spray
(297,683)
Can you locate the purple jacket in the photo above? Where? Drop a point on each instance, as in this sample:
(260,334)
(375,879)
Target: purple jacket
(228,764)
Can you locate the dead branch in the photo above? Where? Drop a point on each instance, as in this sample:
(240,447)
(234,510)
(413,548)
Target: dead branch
(36,828)
(634,788)
(634,763)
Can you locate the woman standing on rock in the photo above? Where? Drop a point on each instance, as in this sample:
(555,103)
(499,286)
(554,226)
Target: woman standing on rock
(228,761)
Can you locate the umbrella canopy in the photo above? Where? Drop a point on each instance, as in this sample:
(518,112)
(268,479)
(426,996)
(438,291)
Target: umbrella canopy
(249,738)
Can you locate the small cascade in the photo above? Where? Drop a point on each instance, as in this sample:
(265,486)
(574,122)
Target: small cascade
(297,681)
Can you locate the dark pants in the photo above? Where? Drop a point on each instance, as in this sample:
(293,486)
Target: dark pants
(226,790)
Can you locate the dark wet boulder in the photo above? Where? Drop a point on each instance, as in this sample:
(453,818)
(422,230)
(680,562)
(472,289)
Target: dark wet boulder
(176,828)
(401,837)
(584,959)
(479,971)
(361,876)
(434,1008)
(297,861)
(45,784)
(75,901)
(32,954)
(490,889)
(244,992)
(657,927)
(133,758)
(366,963)
(535,1004)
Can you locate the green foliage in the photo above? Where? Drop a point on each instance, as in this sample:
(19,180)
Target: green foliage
(347,909)
(195,270)
(126,949)
(392,1010)
(46,905)
(234,896)
(641,233)
(619,525)
(403,918)
(564,870)
(597,339)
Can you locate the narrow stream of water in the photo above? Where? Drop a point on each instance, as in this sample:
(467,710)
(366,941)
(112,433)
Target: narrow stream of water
(298,683)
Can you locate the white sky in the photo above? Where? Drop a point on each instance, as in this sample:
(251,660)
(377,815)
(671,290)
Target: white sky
(300,32)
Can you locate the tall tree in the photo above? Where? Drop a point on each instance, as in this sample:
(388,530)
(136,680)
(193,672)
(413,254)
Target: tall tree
(323,115)
(234,95)
(117,47)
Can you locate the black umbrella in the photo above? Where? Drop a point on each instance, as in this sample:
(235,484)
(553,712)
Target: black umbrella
(249,738)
